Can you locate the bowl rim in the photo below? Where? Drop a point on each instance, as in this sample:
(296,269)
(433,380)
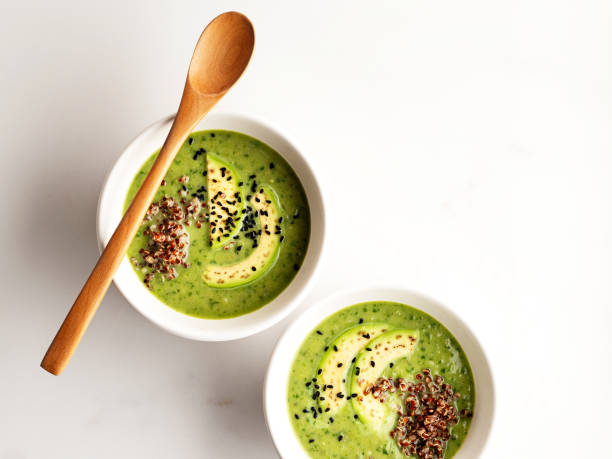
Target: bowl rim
(313,255)
(308,319)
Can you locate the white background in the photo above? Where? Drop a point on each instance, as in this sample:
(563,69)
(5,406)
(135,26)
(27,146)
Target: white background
(464,148)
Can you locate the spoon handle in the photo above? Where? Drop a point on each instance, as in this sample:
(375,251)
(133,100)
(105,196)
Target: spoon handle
(60,351)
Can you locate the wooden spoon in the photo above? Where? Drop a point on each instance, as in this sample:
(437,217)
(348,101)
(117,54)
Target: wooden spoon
(220,57)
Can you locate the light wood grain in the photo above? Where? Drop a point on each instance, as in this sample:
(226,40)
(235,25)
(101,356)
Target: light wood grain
(220,57)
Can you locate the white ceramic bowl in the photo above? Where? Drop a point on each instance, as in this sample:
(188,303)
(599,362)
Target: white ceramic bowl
(276,383)
(110,211)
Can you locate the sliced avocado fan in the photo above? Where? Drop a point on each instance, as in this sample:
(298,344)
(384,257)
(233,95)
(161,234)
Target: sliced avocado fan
(225,201)
(265,204)
(370,363)
(337,360)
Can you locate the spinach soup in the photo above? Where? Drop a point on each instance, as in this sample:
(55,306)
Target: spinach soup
(227,230)
(380,379)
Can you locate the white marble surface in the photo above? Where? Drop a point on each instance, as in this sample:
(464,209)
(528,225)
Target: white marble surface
(479,129)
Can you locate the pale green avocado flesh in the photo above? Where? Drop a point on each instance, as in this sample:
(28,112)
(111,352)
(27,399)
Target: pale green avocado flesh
(370,363)
(225,201)
(336,362)
(265,205)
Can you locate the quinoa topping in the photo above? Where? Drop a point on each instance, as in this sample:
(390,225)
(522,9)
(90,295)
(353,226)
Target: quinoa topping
(168,239)
(423,430)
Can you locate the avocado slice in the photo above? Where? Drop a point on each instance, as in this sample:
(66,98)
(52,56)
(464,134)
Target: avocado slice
(370,363)
(225,201)
(265,204)
(338,359)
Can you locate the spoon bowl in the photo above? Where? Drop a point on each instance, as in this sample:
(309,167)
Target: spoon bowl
(219,59)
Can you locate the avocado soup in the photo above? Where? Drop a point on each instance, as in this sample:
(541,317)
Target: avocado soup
(228,228)
(380,379)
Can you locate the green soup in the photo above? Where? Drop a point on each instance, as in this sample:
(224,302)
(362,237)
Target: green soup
(256,165)
(346,435)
